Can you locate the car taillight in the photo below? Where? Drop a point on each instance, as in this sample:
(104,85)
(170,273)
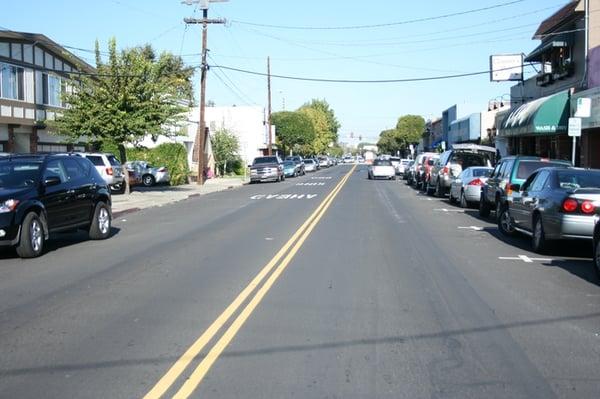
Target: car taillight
(109,171)
(587,207)
(570,205)
(163,169)
(476,182)
(445,170)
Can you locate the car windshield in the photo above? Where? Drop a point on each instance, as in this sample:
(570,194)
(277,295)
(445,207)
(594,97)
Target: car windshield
(113,161)
(468,159)
(289,163)
(382,162)
(18,174)
(261,160)
(574,179)
(526,168)
(481,172)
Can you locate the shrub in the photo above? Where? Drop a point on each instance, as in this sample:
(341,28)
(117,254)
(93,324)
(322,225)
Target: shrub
(171,155)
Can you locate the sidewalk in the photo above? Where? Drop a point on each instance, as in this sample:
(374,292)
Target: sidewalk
(146,197)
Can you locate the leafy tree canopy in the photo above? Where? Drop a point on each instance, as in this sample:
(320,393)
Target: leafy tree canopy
(333,125)
(134,94)
(294,129)
(226,147)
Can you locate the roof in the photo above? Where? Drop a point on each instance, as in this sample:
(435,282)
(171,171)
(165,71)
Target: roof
(556,19)
(44,41)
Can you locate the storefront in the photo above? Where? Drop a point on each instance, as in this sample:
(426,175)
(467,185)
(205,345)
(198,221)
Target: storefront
(589,143)
(539,127)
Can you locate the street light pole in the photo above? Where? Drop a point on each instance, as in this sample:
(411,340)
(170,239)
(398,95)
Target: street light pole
(201,132)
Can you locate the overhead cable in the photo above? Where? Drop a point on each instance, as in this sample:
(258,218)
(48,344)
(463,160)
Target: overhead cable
(382,25)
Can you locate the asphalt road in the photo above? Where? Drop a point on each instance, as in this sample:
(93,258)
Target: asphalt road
(324,286)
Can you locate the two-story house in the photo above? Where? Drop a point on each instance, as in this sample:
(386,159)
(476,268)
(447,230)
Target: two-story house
(34,72)
(538,119)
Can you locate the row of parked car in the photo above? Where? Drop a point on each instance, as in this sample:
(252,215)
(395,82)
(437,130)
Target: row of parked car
(273,168)
(41,194)
(545,199)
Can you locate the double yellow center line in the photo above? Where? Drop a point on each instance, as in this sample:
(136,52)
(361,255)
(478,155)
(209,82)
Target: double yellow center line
(279,262)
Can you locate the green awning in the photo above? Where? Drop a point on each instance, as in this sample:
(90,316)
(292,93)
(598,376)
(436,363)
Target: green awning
(546,115)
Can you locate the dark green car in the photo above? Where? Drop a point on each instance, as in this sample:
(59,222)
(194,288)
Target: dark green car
(509,171)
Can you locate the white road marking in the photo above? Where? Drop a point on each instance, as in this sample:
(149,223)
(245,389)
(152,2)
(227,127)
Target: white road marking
(525,258)
(311,184)
(321,177)
(283,196)
(476,228)
(449,210)
(269,238)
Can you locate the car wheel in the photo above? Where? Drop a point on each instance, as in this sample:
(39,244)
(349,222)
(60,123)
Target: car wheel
(451,197)
(538,240)
(31,244)
(118,188)
(597,256)
(484,209)
(498,210)
(463,201)
(148,180)
(505,224)
(101,222)
(439,191)
(428,189)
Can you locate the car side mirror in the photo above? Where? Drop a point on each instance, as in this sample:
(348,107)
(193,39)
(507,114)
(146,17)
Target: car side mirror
(52,181)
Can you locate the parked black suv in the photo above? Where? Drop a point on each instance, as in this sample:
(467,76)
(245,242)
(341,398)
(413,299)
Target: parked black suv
(44,194)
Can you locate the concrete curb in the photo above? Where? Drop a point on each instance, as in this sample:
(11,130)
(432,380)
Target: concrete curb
(193,195)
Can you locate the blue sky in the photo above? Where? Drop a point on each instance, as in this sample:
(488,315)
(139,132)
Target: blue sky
(442,46)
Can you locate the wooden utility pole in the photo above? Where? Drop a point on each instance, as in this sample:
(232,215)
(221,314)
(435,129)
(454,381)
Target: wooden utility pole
(200,142)
(270,147)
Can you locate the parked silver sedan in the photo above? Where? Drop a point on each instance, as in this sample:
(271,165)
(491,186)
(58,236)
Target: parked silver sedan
(150,175)
(466,188)
(554,204)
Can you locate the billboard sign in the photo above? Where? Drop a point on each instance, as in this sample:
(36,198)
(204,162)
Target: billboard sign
(506,67)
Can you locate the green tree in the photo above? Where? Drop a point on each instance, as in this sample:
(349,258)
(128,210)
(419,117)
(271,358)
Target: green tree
(389,141)
(333,125)
(294,129)
(410,129)
(134,94)
(323,136)
(226,147)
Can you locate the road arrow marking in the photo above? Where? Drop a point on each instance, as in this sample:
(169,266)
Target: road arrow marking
(525,258)
(476,228)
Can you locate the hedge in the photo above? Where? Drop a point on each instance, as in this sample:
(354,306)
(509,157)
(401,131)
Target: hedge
(171,155)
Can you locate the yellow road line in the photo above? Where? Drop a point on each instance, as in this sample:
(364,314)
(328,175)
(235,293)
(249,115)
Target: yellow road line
(200,372)
(183,362)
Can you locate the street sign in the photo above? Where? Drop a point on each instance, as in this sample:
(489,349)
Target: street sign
(575,127)
(584,107)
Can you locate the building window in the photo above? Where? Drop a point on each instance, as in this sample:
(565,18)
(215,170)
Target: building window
(52,90)
(17,51)
(12,82)
(52,148)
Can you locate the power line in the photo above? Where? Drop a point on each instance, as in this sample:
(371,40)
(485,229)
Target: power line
(322,80)
(382,25)
(237,89)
